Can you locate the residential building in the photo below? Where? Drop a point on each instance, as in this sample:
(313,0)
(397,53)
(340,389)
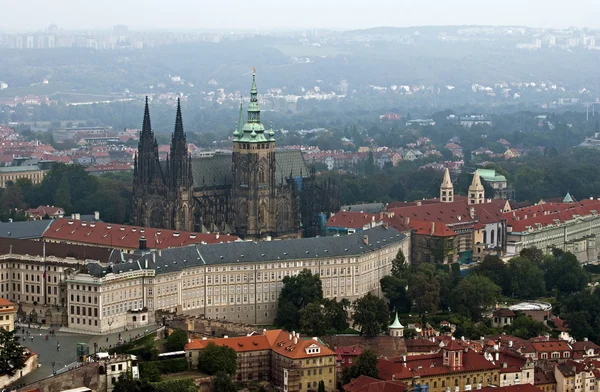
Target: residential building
(8,311)
(34,173)
(42,212)
(117,365)
(347,355)
(502,317)
(566,226)
(452,367)
(285,359)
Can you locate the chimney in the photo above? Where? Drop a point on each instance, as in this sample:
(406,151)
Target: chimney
(419,203)
(293,334)
(497,356)
(205,338)
(585,339)
(142,242)
(510,343)
(472,212)
(290,337)
(295,340)
(264,331)
(366,239)
(77,216)
(433,230)
(96,215)
(298,335)
(407,220)
(225,336)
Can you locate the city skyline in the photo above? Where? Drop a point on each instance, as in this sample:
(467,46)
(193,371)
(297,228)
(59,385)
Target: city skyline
(310,14)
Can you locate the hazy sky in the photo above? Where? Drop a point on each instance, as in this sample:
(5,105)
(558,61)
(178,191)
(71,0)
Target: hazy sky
(293,14)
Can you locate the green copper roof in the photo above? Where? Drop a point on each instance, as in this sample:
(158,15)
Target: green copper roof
(568,198)
(253,131)
(490,175)
(396,324)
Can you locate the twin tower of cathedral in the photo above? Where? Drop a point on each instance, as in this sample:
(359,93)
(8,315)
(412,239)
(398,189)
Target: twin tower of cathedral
(255,192)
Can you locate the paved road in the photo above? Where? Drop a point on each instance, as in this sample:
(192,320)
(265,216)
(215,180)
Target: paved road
(67,355)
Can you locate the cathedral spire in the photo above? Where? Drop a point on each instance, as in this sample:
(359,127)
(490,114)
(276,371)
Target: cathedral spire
(178,134)
(146,126)
(253,131)
(239,125)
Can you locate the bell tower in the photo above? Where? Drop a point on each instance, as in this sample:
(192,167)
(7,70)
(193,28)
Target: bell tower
(253,188)
(447,189)
(476,191)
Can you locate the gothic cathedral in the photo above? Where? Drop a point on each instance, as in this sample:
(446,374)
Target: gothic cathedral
(255,192)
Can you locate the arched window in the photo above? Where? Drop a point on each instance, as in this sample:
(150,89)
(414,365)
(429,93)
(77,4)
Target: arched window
(485,237)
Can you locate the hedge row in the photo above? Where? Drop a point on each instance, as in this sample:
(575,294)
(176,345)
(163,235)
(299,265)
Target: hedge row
(130,347)
(166,366)
(182,385)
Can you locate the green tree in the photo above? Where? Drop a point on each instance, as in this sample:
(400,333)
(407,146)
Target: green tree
(493,268)
(313,320)
(336,314)
(321,386)
(12,358)
(371,315)
(581,312)
(150,372)
(526,278)
(366,365)
(12,198)
(534,254)
(424,291)
(213,359)
(525,327)
(222,382)
(126,383)
(297,292)
(399,266)
(62,198)
(177,340)
(564,273)
(395,291)
(473,295)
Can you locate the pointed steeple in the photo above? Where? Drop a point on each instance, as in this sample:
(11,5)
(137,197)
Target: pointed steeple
(568,198)
(447,189)
(396,329)
(146,126)
(253,131)
(476,190)
(239,125)
(178,134)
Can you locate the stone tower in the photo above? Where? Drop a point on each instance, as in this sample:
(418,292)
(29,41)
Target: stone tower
(447,189)
(253,187)
(179,167)
(476,191)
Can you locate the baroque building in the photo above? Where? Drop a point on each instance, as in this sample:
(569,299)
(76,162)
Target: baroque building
(256,192)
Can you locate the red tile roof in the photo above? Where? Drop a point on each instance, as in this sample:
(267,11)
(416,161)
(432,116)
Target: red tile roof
(278,341)
(352,219)
(430,365)
(369,384)
(127,237)
(513,388)
(431,228)
(548,214)
(551,346)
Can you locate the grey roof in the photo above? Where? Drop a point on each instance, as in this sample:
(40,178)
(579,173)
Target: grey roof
(175,259)
(216,170)
(25,229)
(370,208)
(13,169)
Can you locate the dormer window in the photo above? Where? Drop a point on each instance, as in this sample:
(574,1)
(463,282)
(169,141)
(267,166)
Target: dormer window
(313,349)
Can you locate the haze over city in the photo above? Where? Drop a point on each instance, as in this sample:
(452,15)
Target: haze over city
(274,14)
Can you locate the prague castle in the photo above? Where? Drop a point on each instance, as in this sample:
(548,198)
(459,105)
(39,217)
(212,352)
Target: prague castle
(256,192)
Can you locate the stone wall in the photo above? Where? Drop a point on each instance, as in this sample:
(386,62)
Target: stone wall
(200,327)
(31,364)
(86,376)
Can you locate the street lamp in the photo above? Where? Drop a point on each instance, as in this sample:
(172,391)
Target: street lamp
(53,372)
